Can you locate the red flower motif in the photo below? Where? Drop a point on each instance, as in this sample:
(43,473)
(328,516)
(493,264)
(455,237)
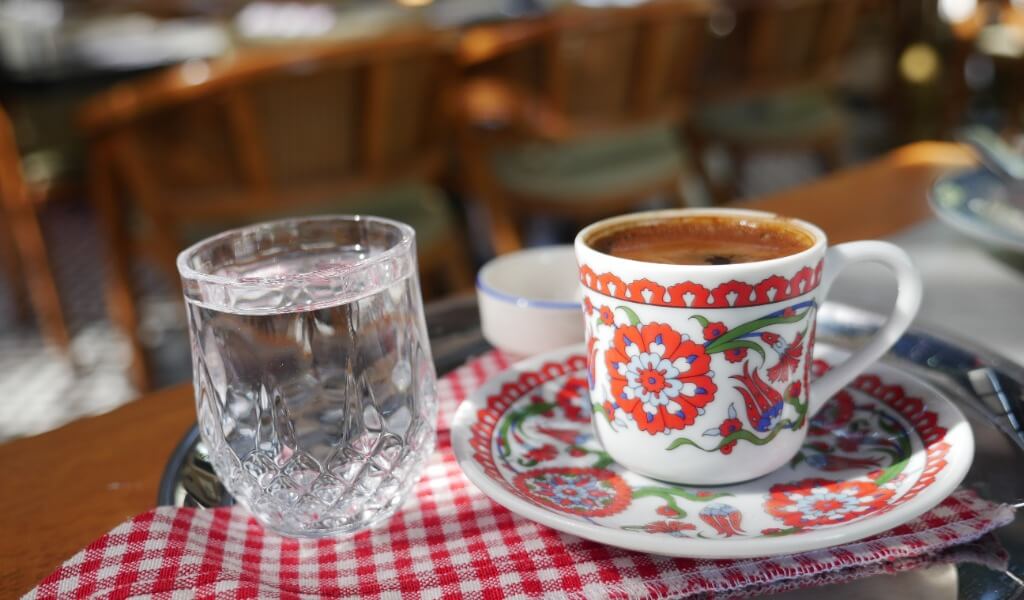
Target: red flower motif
(789,356)
(542,454)
(670,527)
(570,400)
(764,403)
(588,306)
(727,427)
(577,452)
(607,316)
(659,377)
(819,502)
(667,511)
(584,492)
(735,355)
(715,330)
(722,518)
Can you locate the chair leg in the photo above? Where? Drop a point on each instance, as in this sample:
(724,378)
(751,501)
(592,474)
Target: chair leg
(28,240)
(459,270)
(505,235)
(830,153)
(697,146)
(12,268)
(502,221)
(121,303)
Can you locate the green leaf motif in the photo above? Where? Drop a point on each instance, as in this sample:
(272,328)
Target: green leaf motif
(742,434)
(703,321)
(515,420)
(783,532)
(740,344)
(752,326)
(668,494)
(630,315)
(892,472)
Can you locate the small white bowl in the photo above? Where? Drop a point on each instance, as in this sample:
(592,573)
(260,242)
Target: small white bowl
(530,301)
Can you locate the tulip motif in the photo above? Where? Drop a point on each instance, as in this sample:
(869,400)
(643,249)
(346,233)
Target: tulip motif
(764,404)
(722,518)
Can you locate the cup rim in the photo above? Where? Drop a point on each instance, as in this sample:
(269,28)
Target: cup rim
(820,239)
(489,287)
(190,274)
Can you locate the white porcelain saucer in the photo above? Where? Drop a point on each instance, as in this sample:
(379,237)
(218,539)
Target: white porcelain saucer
(882,452)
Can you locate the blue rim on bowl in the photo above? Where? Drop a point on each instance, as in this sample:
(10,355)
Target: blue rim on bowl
(522,301)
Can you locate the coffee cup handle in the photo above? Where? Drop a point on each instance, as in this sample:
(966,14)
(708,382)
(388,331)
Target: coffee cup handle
(908,300)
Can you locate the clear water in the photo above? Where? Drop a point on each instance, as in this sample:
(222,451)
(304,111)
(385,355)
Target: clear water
(319,417)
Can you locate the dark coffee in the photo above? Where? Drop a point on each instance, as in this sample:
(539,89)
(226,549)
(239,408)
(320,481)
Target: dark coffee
(703,240)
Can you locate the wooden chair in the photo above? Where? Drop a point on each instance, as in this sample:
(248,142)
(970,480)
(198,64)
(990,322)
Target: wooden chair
(355,128)
(574,115)
(24,249)
(770,83)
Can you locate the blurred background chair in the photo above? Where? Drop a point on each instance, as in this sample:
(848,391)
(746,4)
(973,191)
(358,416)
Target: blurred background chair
(575,114)
(772,83)
(350,128)
(23,246)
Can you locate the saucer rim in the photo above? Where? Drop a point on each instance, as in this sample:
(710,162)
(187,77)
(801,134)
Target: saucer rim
(959,460)
(976,227)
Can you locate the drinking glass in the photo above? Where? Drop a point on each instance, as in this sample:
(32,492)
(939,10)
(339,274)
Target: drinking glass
(314,384)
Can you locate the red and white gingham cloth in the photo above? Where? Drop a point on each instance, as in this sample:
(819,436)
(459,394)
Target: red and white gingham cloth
(450,541)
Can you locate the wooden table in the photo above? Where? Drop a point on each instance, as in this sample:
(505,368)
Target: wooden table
(64,488)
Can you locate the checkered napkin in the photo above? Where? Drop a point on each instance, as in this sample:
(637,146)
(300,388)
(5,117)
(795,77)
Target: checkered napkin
(451,541)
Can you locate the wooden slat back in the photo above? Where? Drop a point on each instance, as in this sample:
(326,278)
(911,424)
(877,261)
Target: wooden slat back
(769,43)
(244,133)
(599,68)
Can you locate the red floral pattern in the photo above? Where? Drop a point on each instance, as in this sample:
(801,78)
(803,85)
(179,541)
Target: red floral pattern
(498,404)
(818,502)
(735,355)
(676,528)
(787,502)
(729,426)
(789,356)
(658,377)
(541,454)
(763,402)
(569,399)
(584,492)
(724,519)
(715,330)
(694,295)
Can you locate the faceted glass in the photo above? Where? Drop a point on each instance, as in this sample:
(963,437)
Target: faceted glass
(314,384)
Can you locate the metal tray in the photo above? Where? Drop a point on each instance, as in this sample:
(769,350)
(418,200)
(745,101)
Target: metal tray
(988,387)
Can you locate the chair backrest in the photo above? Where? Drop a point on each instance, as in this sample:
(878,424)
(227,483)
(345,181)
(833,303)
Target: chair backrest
(763,44)
(262,130)
(600,68)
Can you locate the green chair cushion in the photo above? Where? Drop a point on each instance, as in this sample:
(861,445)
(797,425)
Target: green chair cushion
(422,206)
(606,164)
(788,115)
